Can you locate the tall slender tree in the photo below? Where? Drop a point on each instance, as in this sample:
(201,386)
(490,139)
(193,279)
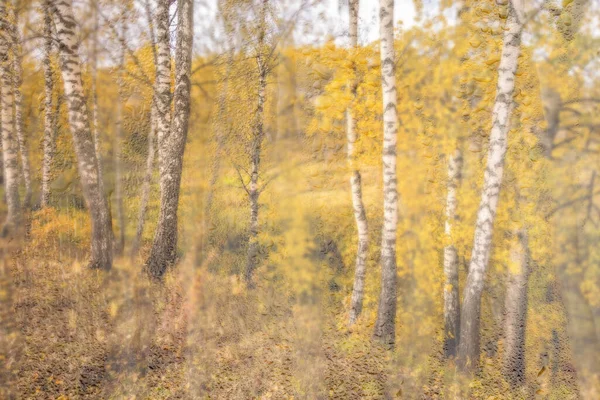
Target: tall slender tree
(48,104)
(451,294)
(18,100)
(145,196)
(83,140)
(256,141)
(171,139)
(9,141)
(385,326)
(515,320)
(360,214)
(468,351)
(120,243)
(94,94)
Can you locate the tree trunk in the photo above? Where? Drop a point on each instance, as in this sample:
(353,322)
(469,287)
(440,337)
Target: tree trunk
(171,143)
(9,141)
(360,214)
(516,312)
(146,185)
(18,99)
(451,292)
(117,149)
(253,189)
(94,92)
(468,351)
(258,134)
(151,140)
(49,146)
(220,132)
(82,137)
(385,327)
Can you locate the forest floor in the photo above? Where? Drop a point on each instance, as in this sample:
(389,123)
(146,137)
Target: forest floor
(70,333)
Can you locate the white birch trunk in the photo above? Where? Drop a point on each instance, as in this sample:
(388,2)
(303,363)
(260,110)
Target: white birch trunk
(171,143)
(49,145)
(360,214)
(18,99)
(117,149)
(94,93)
(258,134)
(85,151)
(468,351)
(385,326)
(253,188)
(451,293)
(9,141)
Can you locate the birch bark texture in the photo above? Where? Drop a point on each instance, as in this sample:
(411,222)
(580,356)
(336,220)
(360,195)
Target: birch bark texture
(451,289)
(468,351)
(18,99)
(171,139)
(94,90)
(9,140)
(120,243)
(83,141)
(49,146)
(515,319)
(385,326)
(258,133)
(358,206)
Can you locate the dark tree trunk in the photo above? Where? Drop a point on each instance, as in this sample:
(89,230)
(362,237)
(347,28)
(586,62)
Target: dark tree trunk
(171,142)
(516,312)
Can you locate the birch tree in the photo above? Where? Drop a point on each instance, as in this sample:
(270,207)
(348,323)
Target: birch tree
(117,144)
(9,140)
(83,140)
(225,13)
(145,196)
(94,94)
(171,138)
(258,134)
(18,100)
(48,115)
(451,293)
(516,310)
(360,214)
(468,351)
(385,326)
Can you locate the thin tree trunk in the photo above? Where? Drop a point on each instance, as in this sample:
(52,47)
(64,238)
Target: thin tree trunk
(451,293)
(146,186)
(151,150)
(117,149)
(171,143)
(49,146)
(253,189)
(360,214)
(516,312)
(94,93)
(220,136)
(89,173)
(18,99)
(468,351)
(385,326)
(255,152)
(9,141)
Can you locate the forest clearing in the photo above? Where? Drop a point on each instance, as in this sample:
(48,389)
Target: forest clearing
(300,199)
